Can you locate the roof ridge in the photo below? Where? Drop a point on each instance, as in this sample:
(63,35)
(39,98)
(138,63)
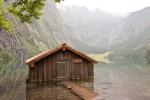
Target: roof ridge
(51,51)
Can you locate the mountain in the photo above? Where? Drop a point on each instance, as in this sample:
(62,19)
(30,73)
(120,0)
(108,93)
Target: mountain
(25,41)
(91,27)
(132,35)
(32,38)
(90,30)
(100,31)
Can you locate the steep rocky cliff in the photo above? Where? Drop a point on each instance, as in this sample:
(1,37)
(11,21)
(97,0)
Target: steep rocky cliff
(87,30)
(132,35)
(26,41)
(32,38)
(91,27)
(126,36)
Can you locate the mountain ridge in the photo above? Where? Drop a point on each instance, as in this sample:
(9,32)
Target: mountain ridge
(109,33)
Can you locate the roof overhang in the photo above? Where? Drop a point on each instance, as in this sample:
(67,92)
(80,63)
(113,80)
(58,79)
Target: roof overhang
(44,54)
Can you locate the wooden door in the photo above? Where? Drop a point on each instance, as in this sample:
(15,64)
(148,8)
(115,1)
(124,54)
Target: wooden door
(76,71)
(62,69)
(76,68)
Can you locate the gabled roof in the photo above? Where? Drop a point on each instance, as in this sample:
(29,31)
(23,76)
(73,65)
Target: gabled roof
(51,51)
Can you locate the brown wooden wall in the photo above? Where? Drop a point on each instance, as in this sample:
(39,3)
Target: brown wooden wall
(62,65)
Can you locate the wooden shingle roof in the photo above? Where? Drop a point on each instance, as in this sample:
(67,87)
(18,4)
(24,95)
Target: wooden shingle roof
(51,51)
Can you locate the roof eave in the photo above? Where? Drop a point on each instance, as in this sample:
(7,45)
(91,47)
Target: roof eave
(33,59)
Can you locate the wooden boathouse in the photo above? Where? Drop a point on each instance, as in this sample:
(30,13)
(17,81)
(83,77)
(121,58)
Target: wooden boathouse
(61,63)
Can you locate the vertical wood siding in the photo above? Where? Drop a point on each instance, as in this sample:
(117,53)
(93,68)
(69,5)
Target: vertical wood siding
(62,65)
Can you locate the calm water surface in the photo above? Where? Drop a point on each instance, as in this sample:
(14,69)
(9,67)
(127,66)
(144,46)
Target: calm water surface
(122,82)
(112,82)
(49,91)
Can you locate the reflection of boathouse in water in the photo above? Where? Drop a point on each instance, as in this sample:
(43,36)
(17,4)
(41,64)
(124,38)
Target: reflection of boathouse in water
(53,91)
(61,63)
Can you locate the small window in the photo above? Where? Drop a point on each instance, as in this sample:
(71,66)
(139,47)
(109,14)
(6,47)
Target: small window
(77,61)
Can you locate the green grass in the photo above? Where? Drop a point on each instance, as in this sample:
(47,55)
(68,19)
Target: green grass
(101,57)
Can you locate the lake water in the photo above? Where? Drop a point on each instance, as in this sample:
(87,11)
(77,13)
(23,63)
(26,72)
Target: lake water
(112,82)
(123,81)
(49,91)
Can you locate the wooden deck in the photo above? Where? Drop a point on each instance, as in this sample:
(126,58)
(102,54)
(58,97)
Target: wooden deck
(83,93)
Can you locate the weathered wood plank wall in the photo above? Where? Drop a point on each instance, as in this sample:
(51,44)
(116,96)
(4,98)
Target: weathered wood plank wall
(63,65)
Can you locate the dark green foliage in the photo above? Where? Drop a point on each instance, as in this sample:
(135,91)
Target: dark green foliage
(25,10)
(58,1)
(4,24)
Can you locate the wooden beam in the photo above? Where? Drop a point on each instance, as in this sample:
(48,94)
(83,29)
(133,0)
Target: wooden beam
(83,93)
(32,65)
(64,49)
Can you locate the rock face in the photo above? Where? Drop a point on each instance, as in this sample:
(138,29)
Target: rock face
(27,40)
(103,32)
(87,30)
(132,35)
(91,27)
(32,38)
